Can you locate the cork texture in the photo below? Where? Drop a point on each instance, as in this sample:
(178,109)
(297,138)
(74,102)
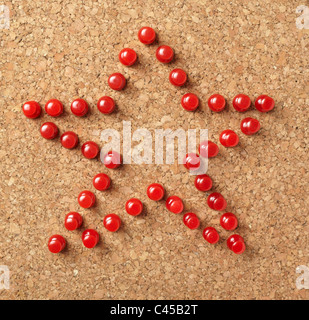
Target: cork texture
(67,50)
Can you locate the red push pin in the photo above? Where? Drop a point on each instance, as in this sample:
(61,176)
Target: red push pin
(90,149)
(54,108)
(86,199)
(264,103)
(112,160)
(250,126)
(208,149)
(236,244)
(190,101)
(90,238)
(203,182)
(112,222)
(106,105)
(174,204)
(101,181)
(178,77)
(155,191)
(127,56)
(146,35)
(31,109)
(216,201)
(49,130)
(216,103)
(165,54)
(69,140)
(241,103)
(117,81)
(79,107)
(229,138)
(192,161)
(134,207)
(211,235)
(191,220)
(56,243)
(229,221)
(72,221)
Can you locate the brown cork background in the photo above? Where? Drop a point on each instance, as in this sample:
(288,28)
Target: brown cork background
(66,50)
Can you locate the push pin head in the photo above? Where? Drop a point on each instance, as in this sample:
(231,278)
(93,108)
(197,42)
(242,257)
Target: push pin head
(49,130)
(228,221)
(31,109)
(216,201)
(211,235)
(127,56)
(241,103)
(106,105)
(236,243)
(72,221)
(69,140)
(117,81)
(134,207)
(54,108)
(101,181)
(192,161)
(178,77)
(250,126)
(86,199)
(174,204)
(190,101)
(146,35)
(90,150)
(229,138)
(264,103)
(90,238)
(216,103)
(191,220)
(79,107)
(208,149)
(112,160)
(165,54)
(155,191)
(56,243)
(203,182)
(112,222)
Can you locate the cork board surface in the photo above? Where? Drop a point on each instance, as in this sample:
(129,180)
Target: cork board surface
(66,50)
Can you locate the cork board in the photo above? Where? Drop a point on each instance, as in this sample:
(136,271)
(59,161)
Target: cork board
(66,50)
